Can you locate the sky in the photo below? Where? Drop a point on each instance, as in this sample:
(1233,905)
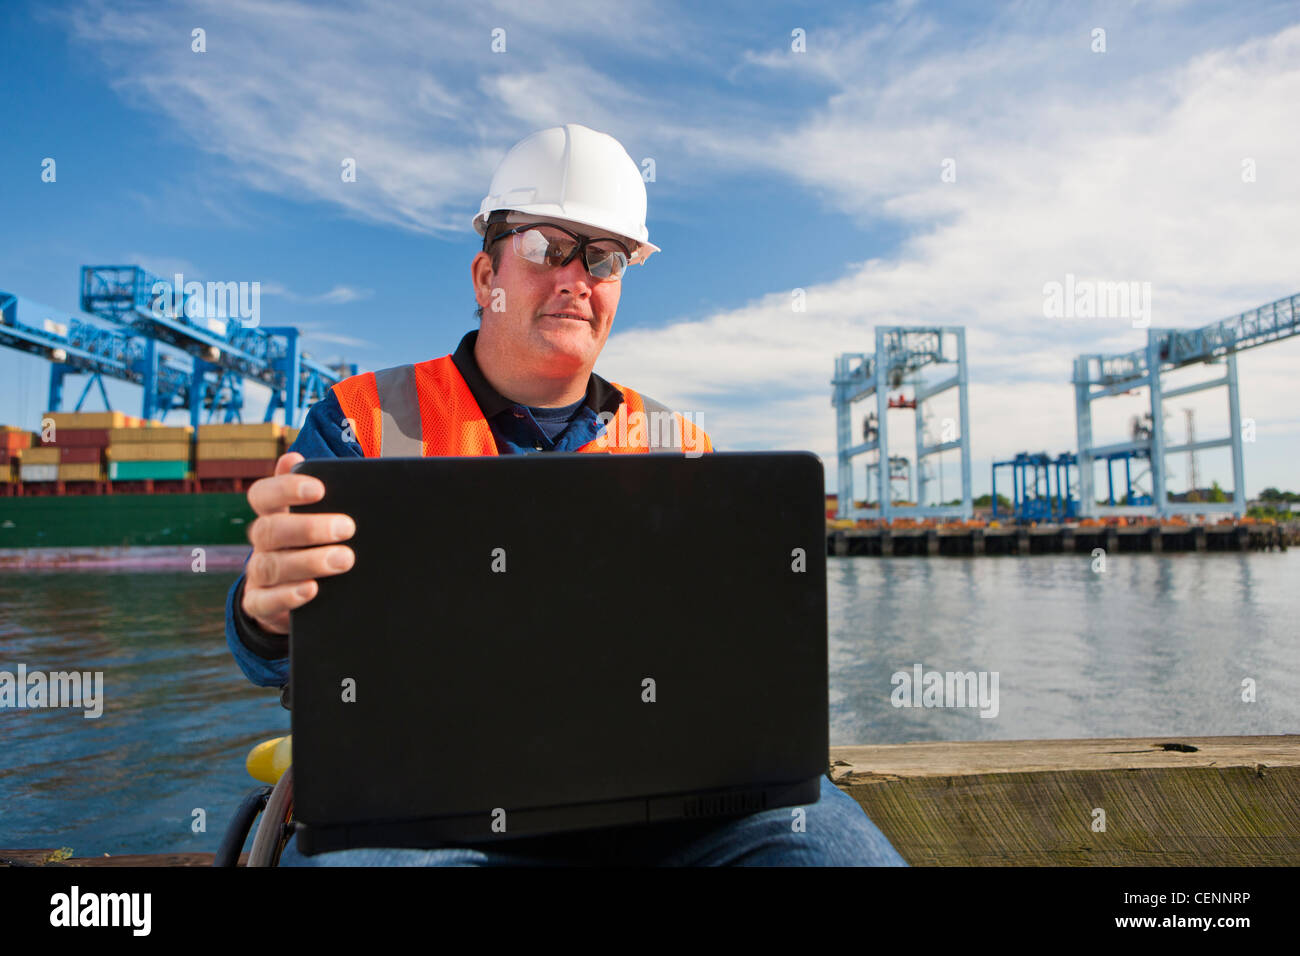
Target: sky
(900,163)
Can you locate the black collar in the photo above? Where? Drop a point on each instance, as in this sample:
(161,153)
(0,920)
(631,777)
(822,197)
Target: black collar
(601,396)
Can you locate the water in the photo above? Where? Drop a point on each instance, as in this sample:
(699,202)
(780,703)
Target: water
(1155,646)
(179,716)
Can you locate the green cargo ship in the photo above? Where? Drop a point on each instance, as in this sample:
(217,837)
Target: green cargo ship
(62,530)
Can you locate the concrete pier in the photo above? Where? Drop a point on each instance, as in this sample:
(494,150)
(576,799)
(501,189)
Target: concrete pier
(1056,539)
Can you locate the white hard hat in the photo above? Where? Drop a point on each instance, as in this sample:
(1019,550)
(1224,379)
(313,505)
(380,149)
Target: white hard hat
(573,173)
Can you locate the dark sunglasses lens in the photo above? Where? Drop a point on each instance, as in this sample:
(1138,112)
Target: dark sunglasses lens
(546,247)
(550,247)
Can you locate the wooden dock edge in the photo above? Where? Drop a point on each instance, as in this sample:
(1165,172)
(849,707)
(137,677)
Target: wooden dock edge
(9,858)
(1163,801)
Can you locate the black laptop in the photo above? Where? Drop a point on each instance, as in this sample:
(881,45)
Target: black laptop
(530,644)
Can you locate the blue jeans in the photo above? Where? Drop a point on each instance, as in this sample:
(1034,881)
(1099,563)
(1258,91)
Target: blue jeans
(835,832)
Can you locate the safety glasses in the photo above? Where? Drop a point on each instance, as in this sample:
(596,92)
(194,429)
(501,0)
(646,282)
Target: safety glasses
(549,245)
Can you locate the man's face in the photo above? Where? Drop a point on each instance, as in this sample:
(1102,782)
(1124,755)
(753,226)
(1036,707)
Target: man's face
(540,302)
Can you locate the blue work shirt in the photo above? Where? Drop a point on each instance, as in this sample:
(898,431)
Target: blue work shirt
(517,429)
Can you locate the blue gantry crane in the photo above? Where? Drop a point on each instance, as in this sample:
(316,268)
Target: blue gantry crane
(1041,488)
(1100,376)
(73,345)
(150,320)
(902,352)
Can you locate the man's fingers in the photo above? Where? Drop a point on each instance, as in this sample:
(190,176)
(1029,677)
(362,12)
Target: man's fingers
(275,532)
(268,569)
(275,494)
(286,462)
(290,551)
(270,607)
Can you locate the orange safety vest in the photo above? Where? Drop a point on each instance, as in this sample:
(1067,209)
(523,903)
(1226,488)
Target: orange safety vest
(427,409)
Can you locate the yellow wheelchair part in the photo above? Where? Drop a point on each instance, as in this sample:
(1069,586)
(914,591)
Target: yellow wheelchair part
(269,760)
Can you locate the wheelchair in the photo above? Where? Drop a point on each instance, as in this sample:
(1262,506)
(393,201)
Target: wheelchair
(271,763)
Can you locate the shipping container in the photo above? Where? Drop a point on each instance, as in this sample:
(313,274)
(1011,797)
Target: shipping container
(82,472)
(149,451)
(77,456)
(141,470)
(89,419)
(238,432)
(239,468)
(29,472)
(230,450)
(159,433)
(15,441)
(78,437)
(44,455)
(12,438)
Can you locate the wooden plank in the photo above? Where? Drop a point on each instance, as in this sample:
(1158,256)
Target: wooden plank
(39,858)
(946,758)
(1230,801)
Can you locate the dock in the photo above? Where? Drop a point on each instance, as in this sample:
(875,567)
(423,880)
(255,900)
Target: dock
(1163,801)
(1134,801)
(49,857)
(970,540)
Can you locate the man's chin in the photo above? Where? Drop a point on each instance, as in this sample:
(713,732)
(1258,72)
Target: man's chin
(577,343)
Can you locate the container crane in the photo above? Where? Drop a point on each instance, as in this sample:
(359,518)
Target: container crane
(147,320)
(901,351)
(1100,376)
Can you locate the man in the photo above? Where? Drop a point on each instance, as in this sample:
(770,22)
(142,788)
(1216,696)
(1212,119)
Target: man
(563,218)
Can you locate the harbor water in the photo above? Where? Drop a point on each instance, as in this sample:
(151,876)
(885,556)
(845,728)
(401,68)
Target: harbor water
(1151,646)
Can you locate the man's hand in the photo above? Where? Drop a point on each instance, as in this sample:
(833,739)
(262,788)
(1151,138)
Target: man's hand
(281,574)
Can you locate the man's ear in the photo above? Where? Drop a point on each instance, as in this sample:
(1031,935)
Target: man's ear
(481,275)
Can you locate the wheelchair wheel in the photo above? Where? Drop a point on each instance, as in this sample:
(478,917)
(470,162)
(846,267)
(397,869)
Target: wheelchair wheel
(275,827)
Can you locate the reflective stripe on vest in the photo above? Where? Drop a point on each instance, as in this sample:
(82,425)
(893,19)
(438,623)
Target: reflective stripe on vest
(657,416)
(458,428)
(401,435)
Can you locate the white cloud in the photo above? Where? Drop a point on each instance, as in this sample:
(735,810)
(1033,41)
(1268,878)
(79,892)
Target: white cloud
(338,295)
(341,294)
(321,332)
(1125,165)
(412,93)
(1141,183)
